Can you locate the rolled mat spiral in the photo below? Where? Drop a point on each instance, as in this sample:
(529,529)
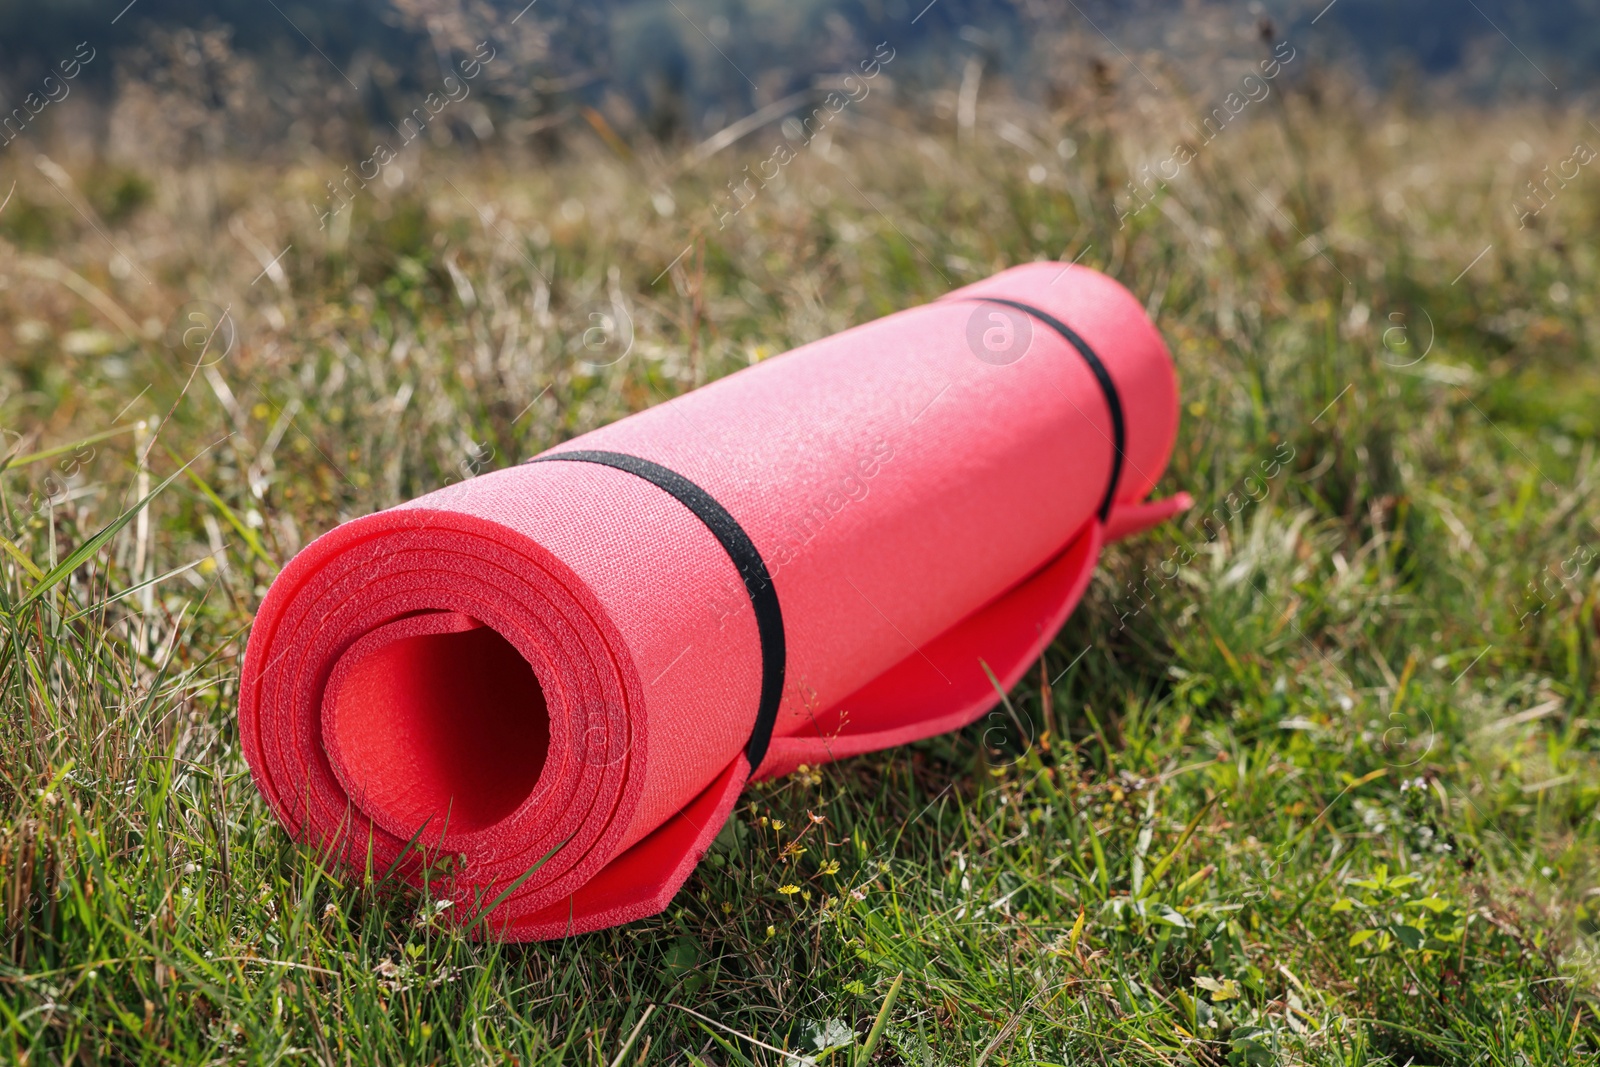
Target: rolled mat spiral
(573,666)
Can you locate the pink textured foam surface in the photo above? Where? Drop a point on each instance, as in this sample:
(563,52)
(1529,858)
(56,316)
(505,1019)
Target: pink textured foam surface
(557,664)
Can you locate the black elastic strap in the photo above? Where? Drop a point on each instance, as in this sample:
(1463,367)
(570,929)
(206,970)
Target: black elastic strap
(1103,376)
(757,581)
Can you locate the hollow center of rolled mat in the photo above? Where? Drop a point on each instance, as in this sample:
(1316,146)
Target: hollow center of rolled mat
(442,730)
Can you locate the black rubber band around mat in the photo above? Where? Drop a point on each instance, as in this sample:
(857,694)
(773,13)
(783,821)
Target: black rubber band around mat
(1103,376)
(752,569)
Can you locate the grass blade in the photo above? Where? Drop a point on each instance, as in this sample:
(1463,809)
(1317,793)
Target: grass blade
(876,1033)
(521,878)
(1166,861)
(233,519)
(50,453)
(86,551)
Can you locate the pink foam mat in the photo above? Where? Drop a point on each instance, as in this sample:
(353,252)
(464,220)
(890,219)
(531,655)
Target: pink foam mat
(559,665)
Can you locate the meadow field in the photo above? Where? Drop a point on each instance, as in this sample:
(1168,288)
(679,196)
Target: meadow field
(1310,776)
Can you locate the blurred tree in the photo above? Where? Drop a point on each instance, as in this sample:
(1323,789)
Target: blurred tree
(679,69)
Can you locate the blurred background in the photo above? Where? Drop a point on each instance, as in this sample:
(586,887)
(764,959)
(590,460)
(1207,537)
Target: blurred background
(174,79)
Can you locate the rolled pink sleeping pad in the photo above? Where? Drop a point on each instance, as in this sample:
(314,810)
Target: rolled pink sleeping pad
(574,665)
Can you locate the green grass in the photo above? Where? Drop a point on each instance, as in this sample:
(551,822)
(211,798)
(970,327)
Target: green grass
(1312,783)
